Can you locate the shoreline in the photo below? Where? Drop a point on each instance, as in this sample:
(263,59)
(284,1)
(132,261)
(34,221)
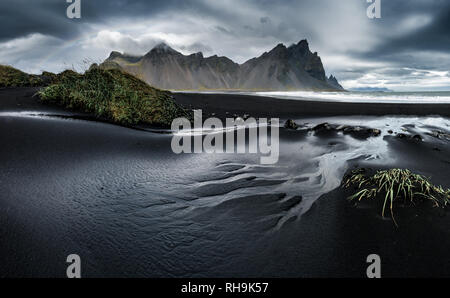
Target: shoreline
(112,193)
(225,105)
(229,105)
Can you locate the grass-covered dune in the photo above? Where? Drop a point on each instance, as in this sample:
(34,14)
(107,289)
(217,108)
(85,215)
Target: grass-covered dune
(114,95)
(109,94)
(11,77)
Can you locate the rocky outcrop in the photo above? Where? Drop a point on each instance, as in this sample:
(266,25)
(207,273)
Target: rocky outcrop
(334,82)
(357,132)
(290,124)
(283,68)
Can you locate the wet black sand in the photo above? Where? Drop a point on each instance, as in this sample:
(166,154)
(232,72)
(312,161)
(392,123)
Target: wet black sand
(225,105)
(128,206)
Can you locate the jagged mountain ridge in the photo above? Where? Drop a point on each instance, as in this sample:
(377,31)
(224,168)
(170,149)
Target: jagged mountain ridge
(283,68)
(332,80)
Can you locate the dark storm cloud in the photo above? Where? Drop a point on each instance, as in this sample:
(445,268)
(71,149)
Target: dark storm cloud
(412,34)
(434,36)
(22,17)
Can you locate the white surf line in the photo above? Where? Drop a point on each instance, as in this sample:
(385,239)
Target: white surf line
(30,114)
(349,97)
(345,97)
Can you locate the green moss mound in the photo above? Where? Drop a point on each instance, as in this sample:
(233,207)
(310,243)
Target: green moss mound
(114,95)
(395,186)
(11,77)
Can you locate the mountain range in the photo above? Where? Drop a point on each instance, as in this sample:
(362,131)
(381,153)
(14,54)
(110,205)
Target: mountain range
(283,68)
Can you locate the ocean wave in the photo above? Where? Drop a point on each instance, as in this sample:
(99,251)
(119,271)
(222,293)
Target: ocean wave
(372,97)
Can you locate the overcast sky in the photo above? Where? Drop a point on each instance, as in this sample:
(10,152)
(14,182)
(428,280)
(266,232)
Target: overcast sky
(407,49)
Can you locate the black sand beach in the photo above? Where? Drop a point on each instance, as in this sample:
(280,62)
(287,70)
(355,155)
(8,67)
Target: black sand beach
(225,105)
(130,207)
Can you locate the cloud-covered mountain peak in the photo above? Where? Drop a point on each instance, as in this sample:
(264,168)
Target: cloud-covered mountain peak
(163,48)
(282,68)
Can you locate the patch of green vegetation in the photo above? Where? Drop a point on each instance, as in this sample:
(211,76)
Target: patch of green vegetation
(11,77)
(395,186)
(114,95)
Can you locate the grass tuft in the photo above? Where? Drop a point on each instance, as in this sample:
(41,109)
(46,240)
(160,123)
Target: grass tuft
(395,186)
(114,95)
